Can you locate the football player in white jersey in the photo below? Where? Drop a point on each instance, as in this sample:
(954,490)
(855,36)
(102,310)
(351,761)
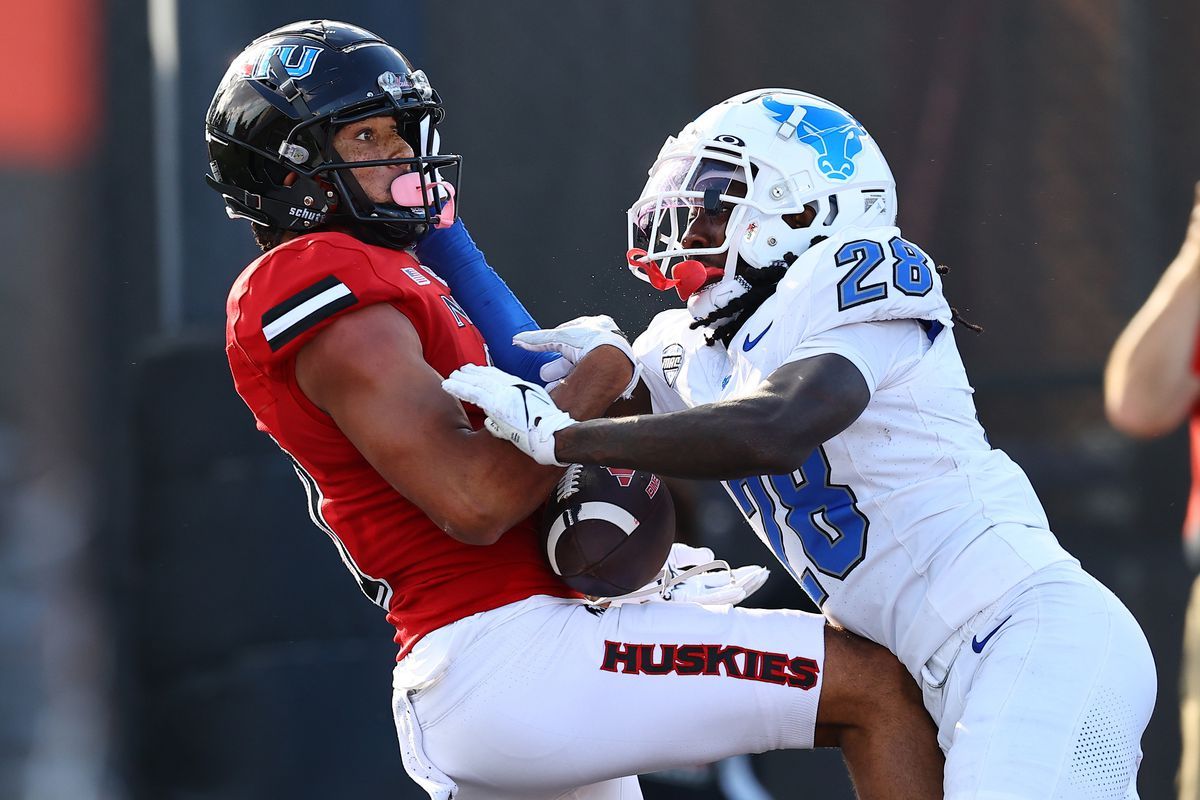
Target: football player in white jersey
(815,372)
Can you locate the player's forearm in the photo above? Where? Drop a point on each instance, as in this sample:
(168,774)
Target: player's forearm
(723,441)
(1148,383)
(594,384)
(770,432)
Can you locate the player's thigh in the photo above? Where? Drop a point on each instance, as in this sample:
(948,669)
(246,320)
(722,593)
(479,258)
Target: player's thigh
(562,697)
(863,682)
(1055,704)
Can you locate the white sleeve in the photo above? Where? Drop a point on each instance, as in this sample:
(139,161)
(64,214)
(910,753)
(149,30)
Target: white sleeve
(882,351)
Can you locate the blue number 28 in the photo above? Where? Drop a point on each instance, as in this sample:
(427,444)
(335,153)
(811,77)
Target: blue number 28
(911,273)
(822,515)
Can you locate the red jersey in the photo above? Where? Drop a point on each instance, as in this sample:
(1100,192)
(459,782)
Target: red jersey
(1191,524)
(401,559)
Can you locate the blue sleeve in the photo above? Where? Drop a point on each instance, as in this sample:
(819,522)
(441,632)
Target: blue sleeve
(484,295)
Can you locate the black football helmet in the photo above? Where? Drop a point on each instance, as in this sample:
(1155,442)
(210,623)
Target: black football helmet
(277,109)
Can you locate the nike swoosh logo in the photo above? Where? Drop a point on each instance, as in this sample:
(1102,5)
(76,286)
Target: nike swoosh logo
(749,344)
(977,644)
(524,390)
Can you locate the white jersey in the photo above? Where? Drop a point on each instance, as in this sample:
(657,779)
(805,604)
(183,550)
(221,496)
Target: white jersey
(908,522)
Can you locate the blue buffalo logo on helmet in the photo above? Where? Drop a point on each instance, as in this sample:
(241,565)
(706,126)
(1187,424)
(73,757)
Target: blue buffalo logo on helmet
(297,60)
(836,137)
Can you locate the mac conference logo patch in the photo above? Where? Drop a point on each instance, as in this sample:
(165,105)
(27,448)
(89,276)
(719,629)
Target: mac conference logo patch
(672,360)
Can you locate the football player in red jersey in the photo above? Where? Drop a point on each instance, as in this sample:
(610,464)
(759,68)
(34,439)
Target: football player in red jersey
(508,685)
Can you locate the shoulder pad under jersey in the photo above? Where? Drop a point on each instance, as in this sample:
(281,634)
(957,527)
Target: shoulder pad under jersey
(292,292)
(666,327)
(862,275)
(660,351)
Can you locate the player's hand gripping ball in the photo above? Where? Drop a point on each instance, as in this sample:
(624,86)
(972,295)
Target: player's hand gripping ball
(608,530)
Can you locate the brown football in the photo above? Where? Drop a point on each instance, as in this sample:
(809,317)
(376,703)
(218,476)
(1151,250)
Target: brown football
(607,530)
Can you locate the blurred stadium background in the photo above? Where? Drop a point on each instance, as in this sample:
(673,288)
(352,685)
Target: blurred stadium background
(172,625)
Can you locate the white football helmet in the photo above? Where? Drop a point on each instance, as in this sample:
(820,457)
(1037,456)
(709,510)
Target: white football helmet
(789,166)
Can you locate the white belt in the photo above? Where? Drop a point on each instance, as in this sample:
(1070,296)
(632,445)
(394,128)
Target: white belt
(937,667)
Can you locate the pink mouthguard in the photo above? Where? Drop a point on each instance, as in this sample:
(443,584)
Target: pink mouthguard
(406,191)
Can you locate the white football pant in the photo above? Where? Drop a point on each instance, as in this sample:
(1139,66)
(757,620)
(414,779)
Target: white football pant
(1044,694)
(546,699)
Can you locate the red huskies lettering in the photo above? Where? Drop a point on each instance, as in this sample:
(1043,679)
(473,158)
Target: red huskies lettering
(710,659)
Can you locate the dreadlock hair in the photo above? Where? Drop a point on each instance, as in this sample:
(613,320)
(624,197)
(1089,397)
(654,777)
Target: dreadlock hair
(266,236)
(761,282)
(956,317)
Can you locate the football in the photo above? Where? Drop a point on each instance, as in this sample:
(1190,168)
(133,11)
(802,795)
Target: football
(607,531)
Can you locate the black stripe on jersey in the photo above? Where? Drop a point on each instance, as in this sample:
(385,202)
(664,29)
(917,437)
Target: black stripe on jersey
(377,591)
(308,321)
(299,298)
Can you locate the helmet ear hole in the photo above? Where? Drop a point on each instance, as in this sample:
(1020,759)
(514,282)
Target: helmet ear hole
(804,218)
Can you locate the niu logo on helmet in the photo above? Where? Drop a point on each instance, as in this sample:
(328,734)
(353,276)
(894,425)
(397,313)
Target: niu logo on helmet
(298,61)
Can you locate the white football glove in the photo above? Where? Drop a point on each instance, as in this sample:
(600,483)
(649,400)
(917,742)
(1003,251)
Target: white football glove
(517,410)
(693,575)
(573,340)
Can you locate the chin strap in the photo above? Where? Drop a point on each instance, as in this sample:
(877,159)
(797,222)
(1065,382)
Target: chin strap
(277,209)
